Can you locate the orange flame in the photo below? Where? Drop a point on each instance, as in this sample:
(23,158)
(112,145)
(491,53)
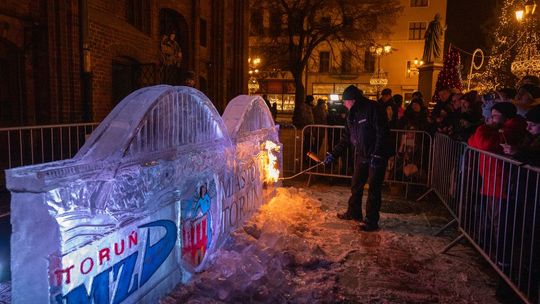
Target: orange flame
(270,162)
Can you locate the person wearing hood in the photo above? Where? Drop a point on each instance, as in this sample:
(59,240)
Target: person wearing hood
(320,113)
(415,116)
(367,131)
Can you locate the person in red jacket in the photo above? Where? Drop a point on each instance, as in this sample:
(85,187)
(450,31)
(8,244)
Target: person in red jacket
(506,127)
(496,215)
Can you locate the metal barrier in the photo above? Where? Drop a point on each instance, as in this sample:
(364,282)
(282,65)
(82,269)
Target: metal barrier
(320,139)
(410,165)
(447,155)
(412,161)
(499,215)
(38,144)
(21,146)
(289,137)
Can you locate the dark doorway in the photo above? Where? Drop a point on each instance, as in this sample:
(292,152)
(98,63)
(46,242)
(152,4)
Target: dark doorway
(11,84)
(125,72)
(174,46)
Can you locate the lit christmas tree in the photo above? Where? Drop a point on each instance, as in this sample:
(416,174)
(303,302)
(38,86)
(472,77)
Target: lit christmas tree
(509,39)
(450,75)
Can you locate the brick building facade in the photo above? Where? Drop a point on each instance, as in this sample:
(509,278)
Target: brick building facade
(72,61)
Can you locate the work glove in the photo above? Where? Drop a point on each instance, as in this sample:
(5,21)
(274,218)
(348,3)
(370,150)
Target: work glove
(376,161)
(329,159)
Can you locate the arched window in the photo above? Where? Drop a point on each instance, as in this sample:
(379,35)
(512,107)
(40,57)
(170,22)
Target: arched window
(174,46)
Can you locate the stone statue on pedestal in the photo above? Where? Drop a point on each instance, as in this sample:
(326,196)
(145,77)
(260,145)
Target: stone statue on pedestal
(433,40)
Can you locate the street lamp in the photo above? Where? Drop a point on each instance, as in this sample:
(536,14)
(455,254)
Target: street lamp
(519,15)
(413,66)
(379,79)
(527,61)
(530,7)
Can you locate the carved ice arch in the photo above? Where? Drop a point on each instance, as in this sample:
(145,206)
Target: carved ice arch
(153,119)
(121,181)
(246,115)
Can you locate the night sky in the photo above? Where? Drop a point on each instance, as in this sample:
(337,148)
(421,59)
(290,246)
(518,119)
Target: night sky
(469,23)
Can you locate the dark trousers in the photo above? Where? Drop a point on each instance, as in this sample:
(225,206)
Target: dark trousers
(374,177)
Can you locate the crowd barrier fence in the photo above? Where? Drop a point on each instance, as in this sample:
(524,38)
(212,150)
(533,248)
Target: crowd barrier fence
(22,146)
(499,215)
(493,199)
(410,165)
(445,174)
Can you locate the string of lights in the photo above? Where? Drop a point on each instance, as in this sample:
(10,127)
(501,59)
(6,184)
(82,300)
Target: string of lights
(507,36)
(450,76)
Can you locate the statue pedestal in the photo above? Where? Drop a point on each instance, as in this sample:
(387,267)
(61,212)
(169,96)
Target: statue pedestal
(427,79)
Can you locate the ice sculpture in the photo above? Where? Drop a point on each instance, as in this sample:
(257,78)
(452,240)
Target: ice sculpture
(158,185)
(252,130)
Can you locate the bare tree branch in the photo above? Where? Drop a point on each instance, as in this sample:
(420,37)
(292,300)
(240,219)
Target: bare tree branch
(310,24)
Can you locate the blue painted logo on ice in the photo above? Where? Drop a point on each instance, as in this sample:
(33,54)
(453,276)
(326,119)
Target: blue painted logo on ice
(113,268)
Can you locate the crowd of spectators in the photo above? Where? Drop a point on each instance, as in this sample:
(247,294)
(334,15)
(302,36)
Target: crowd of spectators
(506,121)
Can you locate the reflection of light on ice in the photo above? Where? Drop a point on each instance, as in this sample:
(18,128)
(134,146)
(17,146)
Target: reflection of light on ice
(270,162)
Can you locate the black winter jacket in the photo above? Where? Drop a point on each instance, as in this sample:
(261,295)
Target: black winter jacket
(367,130)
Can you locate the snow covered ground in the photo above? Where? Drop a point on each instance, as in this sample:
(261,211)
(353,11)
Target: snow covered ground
(295,250)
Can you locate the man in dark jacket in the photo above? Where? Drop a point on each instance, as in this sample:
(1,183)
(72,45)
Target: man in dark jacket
(367,130)
(386,102)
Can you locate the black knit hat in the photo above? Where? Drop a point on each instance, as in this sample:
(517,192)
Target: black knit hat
(507,109)
(533,115)
(351,92)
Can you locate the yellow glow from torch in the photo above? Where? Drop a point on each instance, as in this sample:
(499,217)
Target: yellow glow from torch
(270,162)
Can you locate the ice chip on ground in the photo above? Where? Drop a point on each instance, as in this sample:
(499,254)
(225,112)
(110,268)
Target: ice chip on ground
(273,239)
(253,230)
(229,261)
(252,268)
(223,293)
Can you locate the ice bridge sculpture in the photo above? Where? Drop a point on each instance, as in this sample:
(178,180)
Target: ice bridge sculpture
(156,188)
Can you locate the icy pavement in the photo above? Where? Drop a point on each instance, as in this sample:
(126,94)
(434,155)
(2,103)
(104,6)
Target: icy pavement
(295,250)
